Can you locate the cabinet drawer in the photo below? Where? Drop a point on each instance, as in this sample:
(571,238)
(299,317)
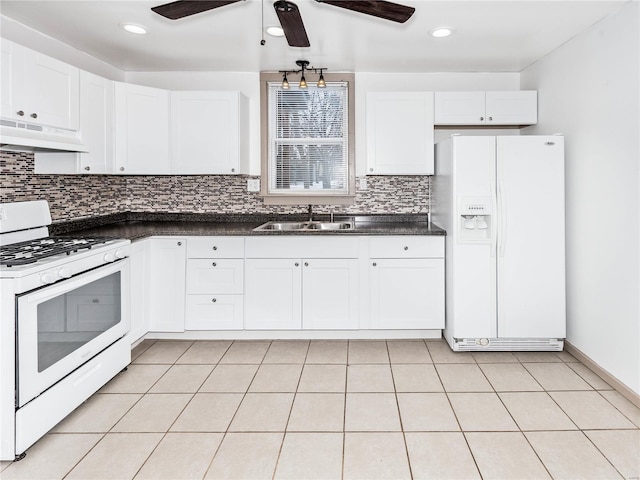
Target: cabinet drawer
(219,276)
(214,312)
(215,247)
(302,246)
(407,247)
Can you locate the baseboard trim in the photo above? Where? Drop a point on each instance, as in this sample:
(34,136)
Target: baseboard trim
(620,387)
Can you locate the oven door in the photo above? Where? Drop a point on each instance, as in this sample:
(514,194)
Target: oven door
(62,326)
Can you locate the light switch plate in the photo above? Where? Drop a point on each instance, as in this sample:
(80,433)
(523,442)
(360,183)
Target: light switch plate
(362,183)
(253,185)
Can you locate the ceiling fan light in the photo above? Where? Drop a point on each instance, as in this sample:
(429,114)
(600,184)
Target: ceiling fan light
(303,82)
(321,82)
(441,32)
(134,28)
(275,31)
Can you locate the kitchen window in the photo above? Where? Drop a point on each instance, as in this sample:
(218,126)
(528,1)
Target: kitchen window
(307,142)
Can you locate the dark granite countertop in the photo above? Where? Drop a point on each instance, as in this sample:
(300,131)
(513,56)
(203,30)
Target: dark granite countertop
(138,225)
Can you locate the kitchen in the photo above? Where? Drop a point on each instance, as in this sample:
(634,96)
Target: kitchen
(564,106)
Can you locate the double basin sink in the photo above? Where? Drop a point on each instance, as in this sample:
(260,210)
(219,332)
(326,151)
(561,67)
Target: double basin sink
(309,226)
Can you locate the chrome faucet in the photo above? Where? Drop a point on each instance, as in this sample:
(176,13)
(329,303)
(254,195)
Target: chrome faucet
(311,213)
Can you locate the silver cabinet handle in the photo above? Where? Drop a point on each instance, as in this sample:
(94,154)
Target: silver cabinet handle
(371,169)
(213,300)
(20,113)
(213,264)
(215,248)
(306,264)
(122,169)
(34,115)
(482,118)
(179,244)
(296,264)
(233,170)
(87,168)
(406,248)
(490,118)
(375,264)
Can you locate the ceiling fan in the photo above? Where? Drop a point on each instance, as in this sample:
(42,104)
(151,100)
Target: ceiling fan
(289,15)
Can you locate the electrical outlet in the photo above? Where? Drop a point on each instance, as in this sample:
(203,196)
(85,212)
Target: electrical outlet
(253,185)
(362,183)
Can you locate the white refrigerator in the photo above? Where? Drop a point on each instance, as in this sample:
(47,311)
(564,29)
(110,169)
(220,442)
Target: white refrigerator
(501,201)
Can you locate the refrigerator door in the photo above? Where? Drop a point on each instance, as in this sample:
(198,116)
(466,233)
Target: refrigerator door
(531,238)
(472,254)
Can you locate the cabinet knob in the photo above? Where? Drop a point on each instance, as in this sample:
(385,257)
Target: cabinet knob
(213,264)
(375,264)
(179,244)
(87,168)
(233,170)
(34,115)
(215,248)
(406,248)
(482,118)
(122,169)
(490,118)
(296,264)
(213,300)
(371,169)
(306,264)
(20,113)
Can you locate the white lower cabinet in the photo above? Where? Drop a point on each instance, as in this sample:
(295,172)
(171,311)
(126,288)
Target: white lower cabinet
(406,282)
(215,283)
(139,268)
(273,294)
(166,286)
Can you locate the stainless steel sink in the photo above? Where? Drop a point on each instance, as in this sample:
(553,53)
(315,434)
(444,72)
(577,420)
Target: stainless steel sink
(304,226)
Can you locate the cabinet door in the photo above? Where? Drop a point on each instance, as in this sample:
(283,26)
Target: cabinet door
(53,91)
(141,130)
(214,312)
(330,294)
(139,265)
(407,293)
(205,131)
(12,93)
(273,294)
(512,107)
(399,133)
(167,259)
(96,123)
(460,108)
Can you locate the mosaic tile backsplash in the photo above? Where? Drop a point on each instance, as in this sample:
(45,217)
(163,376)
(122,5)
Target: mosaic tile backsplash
(78,196)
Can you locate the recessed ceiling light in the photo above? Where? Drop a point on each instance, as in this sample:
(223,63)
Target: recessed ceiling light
(275,31)
(442,32)
(134,28)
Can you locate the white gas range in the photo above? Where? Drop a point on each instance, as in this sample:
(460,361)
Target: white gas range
(64,310)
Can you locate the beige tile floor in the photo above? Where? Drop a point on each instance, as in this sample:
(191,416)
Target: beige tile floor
(342,409)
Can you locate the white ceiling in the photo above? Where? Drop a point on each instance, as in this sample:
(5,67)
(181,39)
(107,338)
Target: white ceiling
(490,36)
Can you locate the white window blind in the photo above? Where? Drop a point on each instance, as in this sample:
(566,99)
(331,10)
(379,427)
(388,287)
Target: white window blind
(308,139)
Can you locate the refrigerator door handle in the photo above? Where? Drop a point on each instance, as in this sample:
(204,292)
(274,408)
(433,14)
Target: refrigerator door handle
(502,224)
(494,220)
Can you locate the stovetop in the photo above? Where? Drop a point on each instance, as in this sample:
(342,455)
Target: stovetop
(32,251)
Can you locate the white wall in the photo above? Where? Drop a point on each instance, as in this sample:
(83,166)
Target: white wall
(588,89)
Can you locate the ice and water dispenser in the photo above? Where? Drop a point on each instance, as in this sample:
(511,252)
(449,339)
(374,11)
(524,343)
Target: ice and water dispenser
(475,214)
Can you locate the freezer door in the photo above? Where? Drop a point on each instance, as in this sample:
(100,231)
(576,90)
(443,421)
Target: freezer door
(531,239)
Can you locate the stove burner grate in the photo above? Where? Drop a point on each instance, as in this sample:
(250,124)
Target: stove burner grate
(31,251)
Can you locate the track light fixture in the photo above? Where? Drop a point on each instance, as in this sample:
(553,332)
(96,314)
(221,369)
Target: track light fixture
(304,65)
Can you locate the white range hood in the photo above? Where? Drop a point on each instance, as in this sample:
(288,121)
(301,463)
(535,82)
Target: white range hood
(25,137)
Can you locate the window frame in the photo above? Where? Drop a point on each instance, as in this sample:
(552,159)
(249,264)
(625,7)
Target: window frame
(306,197)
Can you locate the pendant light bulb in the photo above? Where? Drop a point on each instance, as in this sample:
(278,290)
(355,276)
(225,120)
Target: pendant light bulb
(303,82)
(285,82)
(321,82)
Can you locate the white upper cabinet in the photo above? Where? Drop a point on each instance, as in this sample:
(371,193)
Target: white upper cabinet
(208,133)
(399,128)
(96,123)
(516,107)
(39,89)
(141,130)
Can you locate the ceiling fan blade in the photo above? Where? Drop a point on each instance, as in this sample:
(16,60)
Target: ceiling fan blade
(291,23)
(184,8)
(378,8)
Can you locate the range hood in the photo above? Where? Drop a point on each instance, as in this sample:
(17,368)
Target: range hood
(26,137)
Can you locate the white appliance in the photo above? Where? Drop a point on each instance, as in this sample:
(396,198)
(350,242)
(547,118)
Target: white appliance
(501,201)
(64,306)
